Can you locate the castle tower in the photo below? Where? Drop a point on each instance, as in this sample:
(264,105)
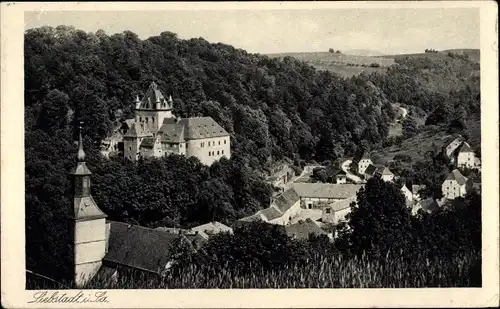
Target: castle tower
(88,224)
(153,108)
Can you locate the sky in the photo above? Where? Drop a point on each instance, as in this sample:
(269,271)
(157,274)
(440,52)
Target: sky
(388,31)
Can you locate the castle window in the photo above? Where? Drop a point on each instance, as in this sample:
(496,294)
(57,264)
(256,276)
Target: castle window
(140,119)
(219,142)
(146,119)
(208,144)
(153,119)
(222,151)
(224,142)
(130,148)
(209,153)
(328,210)
(202,144)
(217,152)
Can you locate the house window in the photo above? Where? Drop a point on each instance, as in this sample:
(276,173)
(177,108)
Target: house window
(130,148)
(209,153)
(217,152)
(202,144)
(224,142)
(153,119)
(219,142)
(328,210)
(146,119)
(208,144)
(222,151)
(140,119)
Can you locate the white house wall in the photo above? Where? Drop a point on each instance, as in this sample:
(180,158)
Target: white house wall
(219,147)
(466,159)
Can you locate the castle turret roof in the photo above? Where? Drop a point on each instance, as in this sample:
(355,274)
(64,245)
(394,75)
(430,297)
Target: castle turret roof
(153,96)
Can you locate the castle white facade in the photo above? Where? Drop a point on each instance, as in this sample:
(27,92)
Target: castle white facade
(156,132)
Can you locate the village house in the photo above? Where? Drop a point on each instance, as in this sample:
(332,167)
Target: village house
(111,145)
(280,176)
(336,212)
(335,174)
(384,173)
(415,190)
(156,132)
(303,229)
(407,193)
(363,164)
(474,184)
(428,205)
(316,195)
(281,211)
(200,234)
(450,148)
(370,171)
(107,247)
(455,185)
(211,228)
(465,156)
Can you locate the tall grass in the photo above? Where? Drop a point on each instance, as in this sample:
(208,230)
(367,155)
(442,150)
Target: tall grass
(325,272)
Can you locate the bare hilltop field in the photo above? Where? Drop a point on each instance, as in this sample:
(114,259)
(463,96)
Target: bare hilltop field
(343,64)
(356,62)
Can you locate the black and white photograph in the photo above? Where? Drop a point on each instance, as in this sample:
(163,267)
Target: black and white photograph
(292,148)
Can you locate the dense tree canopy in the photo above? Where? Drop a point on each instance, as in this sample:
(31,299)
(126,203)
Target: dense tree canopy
(273,108)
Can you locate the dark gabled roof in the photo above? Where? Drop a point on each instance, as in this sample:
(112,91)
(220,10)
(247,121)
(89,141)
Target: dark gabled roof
(172,133)
(139,247)
(137,130)
(333,170)
(198,127)
(303,229)
(465,148)
(429,204)
(456,175)
(271,213)
(148,142)
(286,200)
(370,170)
(384,171)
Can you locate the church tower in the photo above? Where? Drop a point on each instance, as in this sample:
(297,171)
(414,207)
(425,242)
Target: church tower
(88,224)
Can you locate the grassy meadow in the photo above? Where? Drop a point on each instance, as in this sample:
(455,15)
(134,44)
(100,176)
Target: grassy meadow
(324,272)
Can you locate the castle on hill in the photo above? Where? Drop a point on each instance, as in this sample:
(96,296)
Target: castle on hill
(156,131)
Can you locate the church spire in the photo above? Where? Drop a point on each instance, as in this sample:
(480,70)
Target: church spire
(81,167)
(81,153)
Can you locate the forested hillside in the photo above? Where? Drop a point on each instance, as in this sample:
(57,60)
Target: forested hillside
(273,108)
